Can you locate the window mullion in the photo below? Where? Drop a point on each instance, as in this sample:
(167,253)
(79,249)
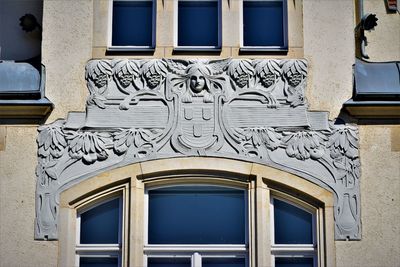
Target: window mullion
(196,260)
(263,223)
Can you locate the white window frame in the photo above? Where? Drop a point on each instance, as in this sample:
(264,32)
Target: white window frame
(111,47)
(283,48)
(102,250)
(197,48)
(194,251)
(294,250)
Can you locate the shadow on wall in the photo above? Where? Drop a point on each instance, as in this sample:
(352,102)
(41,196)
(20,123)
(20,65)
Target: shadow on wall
(15,43)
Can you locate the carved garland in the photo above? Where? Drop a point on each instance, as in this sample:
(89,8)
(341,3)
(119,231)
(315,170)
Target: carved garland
(253,110)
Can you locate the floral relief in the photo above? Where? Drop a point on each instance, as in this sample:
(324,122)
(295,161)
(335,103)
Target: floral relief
(261,136)
(304,144)
(51,140)
(46,171)
(125,72)
(343,145)
(242,109)
(241,71)
(88,146)
(98,74)
(344,141)
(154,72)
(268,72)
(139,138)
(295,73)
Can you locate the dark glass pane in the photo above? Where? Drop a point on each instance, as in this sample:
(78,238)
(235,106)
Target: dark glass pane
(196,215)
(293,262)
(98,262)
(198,23)
(169,262)
(132,23)
(263,23)
(100,224)
(223,262)
(292,225)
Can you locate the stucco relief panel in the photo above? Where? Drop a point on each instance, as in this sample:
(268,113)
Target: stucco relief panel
(251,110)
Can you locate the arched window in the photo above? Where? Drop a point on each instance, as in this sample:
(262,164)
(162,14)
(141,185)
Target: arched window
(124,218)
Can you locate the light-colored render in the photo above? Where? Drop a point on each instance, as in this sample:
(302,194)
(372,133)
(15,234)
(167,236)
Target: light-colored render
(322,32)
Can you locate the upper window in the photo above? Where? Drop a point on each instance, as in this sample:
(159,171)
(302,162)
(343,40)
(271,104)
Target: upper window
(196,225)
(133,24)
(264,24)
(293,233)
(198,24)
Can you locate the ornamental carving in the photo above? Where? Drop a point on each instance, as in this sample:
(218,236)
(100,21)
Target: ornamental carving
(251,110)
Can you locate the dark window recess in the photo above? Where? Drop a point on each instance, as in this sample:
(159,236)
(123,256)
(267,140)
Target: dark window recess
(294,262)
(98,262)
(196,215)
(198,23)
(169,262)
(292,224)
(132,23)
(263,23)
(223,262)
(95,220)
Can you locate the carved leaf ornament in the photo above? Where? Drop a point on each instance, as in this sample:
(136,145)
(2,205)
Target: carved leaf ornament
(88,146)
(304,145)
(252,110)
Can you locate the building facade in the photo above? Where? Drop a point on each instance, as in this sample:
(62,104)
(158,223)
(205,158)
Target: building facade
(221,143)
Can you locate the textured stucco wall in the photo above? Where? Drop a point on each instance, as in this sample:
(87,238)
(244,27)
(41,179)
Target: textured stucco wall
(17,203)
(67,45)
(384,41)
(329,48)
(328,44)
(380,201)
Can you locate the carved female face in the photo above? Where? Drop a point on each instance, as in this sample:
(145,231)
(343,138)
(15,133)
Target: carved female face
(197,82)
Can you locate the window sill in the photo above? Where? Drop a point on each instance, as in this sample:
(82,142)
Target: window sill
(248,50)
(197,49)
(25,111)
(373,109)
(130,49)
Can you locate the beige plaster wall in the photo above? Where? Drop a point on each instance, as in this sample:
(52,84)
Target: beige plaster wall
(67,45)
(329,49)
(380,201)
(384,41)
(17,203)
(319,30)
